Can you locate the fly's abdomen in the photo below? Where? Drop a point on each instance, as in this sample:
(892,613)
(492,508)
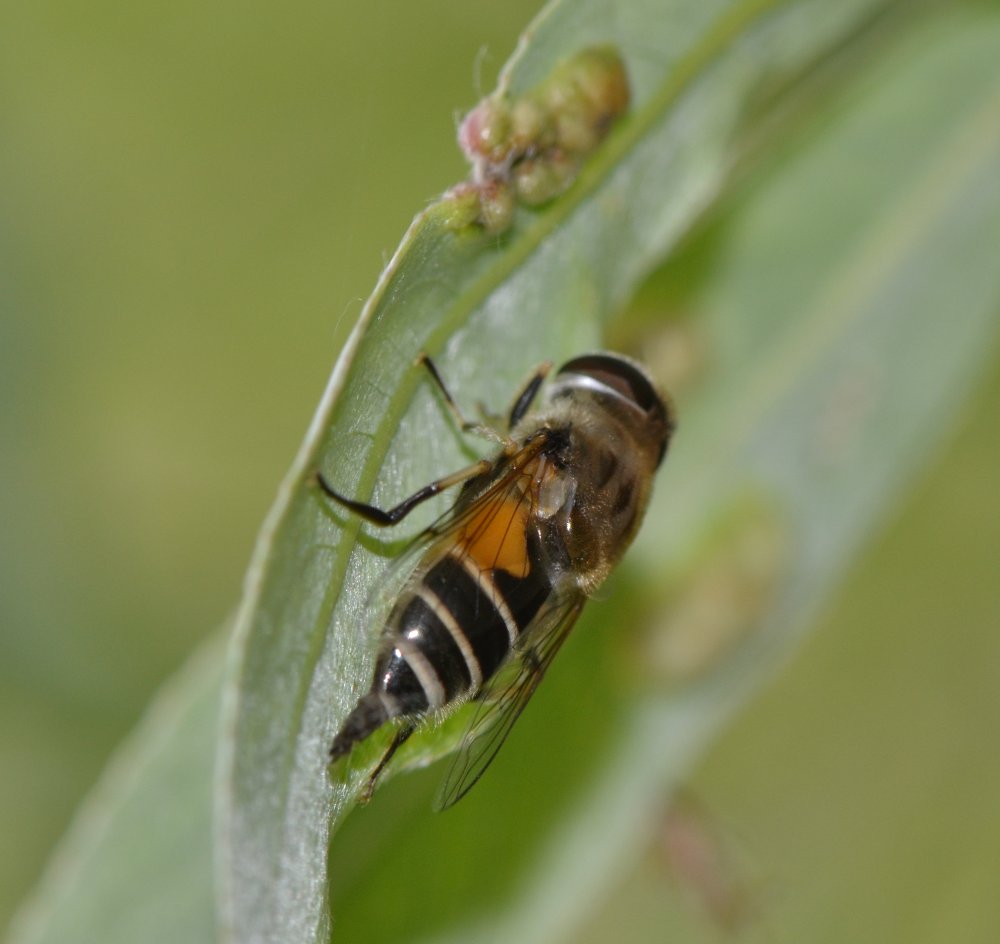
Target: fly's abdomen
(446,638)
(482,623)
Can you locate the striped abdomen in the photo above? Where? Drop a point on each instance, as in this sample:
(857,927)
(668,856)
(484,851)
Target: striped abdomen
(448,634)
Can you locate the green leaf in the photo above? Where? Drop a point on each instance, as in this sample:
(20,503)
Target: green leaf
(843,300)
(488,309)
(137,863)
(847,316)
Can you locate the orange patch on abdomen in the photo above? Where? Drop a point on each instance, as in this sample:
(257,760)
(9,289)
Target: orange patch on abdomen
(495,538)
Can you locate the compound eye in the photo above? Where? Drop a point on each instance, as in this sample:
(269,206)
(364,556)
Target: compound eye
(621,375)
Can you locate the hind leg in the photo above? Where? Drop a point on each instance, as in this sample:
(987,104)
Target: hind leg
(401,736)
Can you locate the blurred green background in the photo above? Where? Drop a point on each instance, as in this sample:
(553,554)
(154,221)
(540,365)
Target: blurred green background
(194,200)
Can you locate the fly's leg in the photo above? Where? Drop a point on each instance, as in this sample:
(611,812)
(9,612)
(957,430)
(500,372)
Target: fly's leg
(386,518)
(526,395)
(522,402)
(396,514)
(467,426)
(397,742)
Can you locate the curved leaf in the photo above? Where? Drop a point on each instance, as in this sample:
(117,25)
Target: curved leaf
(489,308)
(136,863)
(823,399)
(848,297)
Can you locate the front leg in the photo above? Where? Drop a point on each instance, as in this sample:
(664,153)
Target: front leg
(394,515)
(466,426)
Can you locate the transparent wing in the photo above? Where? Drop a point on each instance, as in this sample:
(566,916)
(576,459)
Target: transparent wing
(482,500)
(503,698)
(488,491)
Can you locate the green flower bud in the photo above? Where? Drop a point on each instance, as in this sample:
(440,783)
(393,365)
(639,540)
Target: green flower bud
(531,127)
(538,180)
(460,206)
(496,205)
(599,76)
(585,95)
(485,132)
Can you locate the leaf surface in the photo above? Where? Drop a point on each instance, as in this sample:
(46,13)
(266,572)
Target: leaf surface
(845,298)
(488,309)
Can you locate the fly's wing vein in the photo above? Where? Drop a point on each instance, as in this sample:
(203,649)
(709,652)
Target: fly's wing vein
(429,546)
(502,699)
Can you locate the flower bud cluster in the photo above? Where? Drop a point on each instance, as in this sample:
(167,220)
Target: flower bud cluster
(530,149)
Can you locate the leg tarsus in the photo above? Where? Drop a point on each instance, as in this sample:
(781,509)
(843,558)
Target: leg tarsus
(402,735)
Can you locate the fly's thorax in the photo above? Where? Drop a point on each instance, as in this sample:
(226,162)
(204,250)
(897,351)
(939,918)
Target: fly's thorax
(612,487)
(615,426)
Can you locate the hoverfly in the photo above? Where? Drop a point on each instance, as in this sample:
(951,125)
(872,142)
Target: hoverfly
(501,577)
